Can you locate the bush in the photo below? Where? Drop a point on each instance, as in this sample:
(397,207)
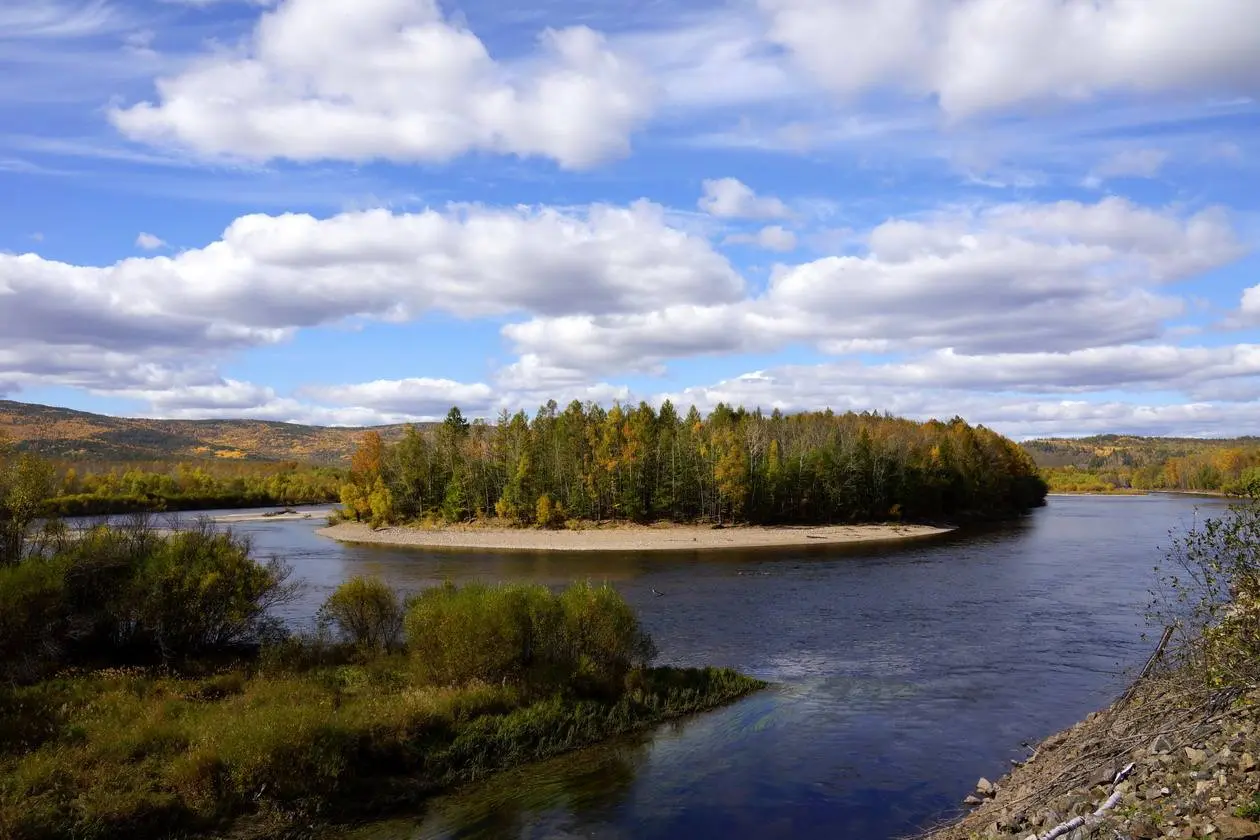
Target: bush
(367,613)
(31,619)
(479,632)
(1210,595)
(604,637)
(125,594)
(201,591)
(587,639)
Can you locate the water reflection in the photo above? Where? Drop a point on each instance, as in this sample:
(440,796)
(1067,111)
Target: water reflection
(902,673)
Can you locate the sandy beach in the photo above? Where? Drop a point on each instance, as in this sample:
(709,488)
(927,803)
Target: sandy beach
(321,513)
(628,537)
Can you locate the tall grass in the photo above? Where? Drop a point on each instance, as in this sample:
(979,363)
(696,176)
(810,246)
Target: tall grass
(119,755)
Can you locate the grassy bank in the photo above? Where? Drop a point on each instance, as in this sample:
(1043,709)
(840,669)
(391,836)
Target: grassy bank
(129,754)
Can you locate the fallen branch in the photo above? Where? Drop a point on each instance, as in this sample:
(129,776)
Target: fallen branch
(1079,822)
(1146,669)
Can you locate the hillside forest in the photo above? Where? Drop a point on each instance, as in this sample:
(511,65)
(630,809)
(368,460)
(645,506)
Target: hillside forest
(638,464)
(1120,463)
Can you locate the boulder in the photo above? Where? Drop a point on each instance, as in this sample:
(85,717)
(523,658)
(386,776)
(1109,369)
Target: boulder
(1229,827)
(1161,745)
(985,788)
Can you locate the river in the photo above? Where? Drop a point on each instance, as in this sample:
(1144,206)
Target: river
(901,674)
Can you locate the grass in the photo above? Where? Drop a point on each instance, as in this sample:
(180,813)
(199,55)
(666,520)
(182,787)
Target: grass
(125,753)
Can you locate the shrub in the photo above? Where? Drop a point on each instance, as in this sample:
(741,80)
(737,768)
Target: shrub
(605,639)
(1210,594)
(548,514)
(586,639)
(366,612)
(479,632)
(31,619)
(201,591)
(115,595)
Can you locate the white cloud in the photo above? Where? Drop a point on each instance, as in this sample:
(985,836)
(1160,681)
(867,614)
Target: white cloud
(1054,277)
(771,237)
(1250,309)
(1130,163)
(118,327)
(1040,299)
(730,198)
(802,388)
(20,19)
(149,241)
(394,81)
(979,55)
(412,397)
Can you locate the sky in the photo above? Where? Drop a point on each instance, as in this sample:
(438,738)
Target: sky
(1041,216)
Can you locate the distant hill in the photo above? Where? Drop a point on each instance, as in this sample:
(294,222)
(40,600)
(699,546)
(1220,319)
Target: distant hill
(79,435)
(1102,451)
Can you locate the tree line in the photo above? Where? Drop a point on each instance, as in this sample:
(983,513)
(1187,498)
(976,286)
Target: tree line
(85,489)
(641,464)
(1111,462)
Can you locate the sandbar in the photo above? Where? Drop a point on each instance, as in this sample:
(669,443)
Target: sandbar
(628,537)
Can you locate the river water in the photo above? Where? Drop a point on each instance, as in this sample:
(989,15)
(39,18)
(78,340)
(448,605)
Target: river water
(901,674)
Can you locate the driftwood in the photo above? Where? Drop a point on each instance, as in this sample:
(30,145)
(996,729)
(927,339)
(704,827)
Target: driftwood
(1150,663)
(1079,822)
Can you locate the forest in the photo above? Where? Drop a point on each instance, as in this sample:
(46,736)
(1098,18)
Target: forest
(90,488)
(638,464)
(1118,463)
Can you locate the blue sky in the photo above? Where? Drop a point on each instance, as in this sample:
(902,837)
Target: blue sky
(1041,216)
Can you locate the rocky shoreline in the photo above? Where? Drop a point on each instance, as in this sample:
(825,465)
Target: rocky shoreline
(1165,761)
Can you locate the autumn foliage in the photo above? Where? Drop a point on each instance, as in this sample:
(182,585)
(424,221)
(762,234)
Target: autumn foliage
(640,464)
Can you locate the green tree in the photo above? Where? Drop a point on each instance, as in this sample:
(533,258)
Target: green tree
(26,482)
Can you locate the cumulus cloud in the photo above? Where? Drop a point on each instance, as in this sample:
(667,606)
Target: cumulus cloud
(1054,277)
(396,81)
(980,55)
(149,241)
(1042,299)
(413,397)
(771,237)
(801,388)
(730,198)
(270,274)
(117,327)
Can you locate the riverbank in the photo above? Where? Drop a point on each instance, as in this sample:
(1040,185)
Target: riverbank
(125,753)
(1154,765)
(627,537)
(321,513)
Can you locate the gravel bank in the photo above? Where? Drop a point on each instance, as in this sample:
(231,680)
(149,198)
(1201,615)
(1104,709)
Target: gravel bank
(627,537)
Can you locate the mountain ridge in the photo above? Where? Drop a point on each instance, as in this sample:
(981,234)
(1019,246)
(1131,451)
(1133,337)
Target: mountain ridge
(66,433)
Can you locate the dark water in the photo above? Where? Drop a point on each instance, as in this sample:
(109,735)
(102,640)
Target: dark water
(902,674)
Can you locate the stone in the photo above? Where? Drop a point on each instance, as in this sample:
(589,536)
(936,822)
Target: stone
(973,801)
(985,788)
(1246,762)
(1196,757)
(1230,827)
(1103,775)
(1144,829)
(1224,758)
(1161,745)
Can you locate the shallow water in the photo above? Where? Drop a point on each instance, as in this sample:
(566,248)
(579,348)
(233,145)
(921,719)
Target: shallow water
(901,673)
